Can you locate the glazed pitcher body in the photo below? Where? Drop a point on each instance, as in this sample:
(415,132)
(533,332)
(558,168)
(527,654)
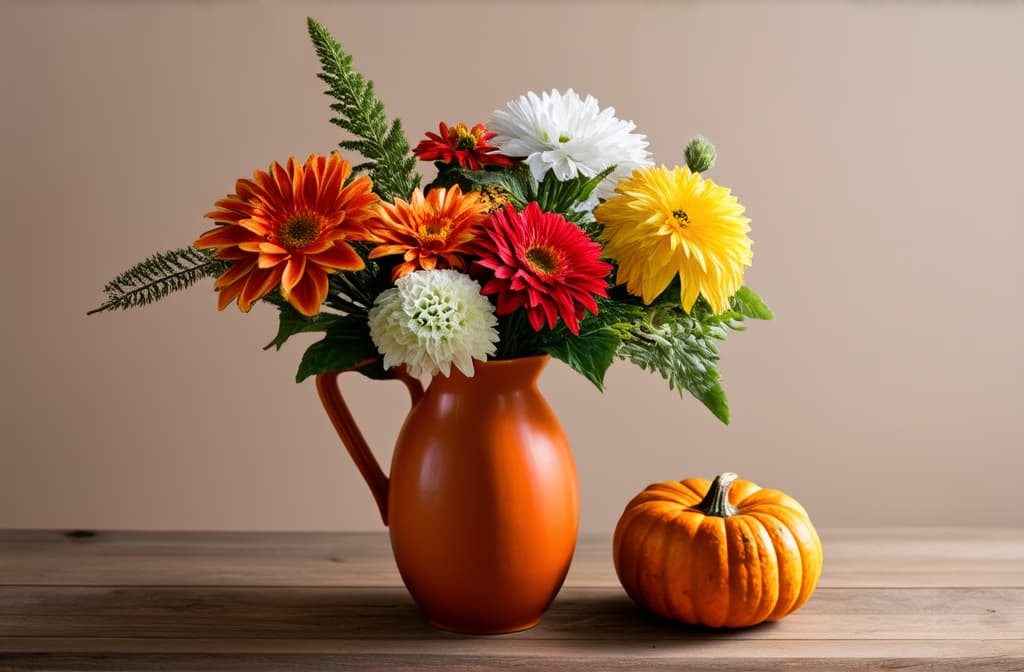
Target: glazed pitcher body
(483,503)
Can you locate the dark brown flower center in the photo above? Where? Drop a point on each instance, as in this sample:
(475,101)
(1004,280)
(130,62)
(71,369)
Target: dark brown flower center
(681,218)
(298,232)
(464,138)
(542,259)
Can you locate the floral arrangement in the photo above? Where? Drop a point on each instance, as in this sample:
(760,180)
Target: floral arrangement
(548,230)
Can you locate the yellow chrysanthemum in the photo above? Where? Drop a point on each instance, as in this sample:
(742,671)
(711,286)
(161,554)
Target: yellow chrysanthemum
(663,222)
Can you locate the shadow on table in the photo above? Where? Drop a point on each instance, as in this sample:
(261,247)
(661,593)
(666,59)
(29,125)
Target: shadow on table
(312,613)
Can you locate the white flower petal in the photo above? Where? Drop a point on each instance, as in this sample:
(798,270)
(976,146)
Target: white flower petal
(570,136)
(431,319)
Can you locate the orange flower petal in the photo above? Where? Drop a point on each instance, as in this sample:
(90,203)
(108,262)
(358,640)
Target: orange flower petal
(293,271)
(256,225)
(339,257)
(298,179)
(252,220)
(231,254)
(319,246)
(223,236)
(270,260)
(310,291)
(385,250)
(228,293)
(271,248)
(283,182)
(268,191)
(258,285)
(235,272)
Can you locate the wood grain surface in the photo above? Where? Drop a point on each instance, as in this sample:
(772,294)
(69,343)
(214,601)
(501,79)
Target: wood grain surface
(938,599)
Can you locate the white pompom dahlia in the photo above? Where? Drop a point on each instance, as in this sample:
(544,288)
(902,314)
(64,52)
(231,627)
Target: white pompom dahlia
(569,136)
(432,319)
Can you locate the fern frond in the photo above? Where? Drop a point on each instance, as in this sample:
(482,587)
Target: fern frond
(391,165)
(682,350)
(159,275)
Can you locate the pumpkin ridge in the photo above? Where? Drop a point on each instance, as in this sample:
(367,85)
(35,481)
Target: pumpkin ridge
(635,538)
(790,573)
(678,596)
(741,491)
(767,496)
(711,566)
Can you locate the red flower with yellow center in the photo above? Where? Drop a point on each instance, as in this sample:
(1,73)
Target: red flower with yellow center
(431,231)
(542,263)
(288,228)
(467,147)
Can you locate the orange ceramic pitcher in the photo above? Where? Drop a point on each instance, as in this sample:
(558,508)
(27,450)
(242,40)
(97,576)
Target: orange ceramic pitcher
(482,500)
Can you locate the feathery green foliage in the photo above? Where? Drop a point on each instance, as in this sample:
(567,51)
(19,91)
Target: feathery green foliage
(680,348)
(662,338)
(159,275)
(389,162)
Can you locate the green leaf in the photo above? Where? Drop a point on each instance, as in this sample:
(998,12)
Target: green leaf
(346,345)
(747,303)
(519,183)
(590,353)
(293,322)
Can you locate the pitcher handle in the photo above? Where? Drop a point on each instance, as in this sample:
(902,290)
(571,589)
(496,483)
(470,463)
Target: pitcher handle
(341,417)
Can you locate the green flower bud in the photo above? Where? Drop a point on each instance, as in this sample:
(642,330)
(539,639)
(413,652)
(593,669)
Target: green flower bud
(700,154)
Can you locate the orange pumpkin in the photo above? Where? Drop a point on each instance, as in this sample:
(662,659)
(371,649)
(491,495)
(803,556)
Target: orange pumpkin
(721,554)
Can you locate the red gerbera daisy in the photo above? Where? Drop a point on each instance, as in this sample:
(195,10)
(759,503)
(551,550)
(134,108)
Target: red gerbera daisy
(289,227)
(468,147)
(542,263)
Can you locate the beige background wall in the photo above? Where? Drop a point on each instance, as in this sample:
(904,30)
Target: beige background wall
(877,147)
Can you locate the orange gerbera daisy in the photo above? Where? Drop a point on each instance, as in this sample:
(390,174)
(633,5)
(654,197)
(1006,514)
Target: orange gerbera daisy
(288,228)
(431,231)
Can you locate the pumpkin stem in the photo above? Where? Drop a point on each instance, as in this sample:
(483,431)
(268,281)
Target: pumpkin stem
(716,502)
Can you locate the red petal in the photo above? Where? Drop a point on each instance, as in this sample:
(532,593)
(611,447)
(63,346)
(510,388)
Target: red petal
(510,301)
(536,318)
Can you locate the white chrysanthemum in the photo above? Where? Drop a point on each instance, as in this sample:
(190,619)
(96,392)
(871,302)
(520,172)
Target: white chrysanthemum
(432,319)
(569,136)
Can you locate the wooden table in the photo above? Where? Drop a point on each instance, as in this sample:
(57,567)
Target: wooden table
(924,599)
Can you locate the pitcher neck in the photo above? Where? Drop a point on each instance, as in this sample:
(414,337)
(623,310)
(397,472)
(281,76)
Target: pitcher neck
(498,374)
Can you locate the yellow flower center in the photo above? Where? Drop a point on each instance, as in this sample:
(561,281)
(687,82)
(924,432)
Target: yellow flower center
(493,197)
(436,229)
(542,259)
(564,138)
(681,219)
(298,232)
(464,138)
